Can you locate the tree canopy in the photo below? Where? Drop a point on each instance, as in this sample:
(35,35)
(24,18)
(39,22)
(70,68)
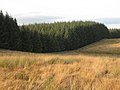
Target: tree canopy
(49,37)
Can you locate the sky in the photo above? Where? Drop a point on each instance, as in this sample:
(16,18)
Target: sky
(31,11)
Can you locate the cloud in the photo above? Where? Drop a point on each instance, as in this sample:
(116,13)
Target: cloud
(109,20)
(31,19)
(37,19)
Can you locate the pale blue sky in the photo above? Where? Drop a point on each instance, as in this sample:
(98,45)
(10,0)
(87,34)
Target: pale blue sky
(61,9)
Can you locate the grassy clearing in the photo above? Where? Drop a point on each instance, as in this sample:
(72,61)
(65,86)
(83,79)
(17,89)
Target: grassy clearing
(27,71)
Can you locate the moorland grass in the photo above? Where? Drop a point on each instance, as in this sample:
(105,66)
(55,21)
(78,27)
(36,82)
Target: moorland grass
(29,71)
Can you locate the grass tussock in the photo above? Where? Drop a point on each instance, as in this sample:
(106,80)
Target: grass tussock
(61,61)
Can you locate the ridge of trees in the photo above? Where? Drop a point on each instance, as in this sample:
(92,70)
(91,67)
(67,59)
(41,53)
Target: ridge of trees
(49,37)
(114,33)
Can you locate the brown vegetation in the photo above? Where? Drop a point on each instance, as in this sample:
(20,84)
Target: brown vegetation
(28,71)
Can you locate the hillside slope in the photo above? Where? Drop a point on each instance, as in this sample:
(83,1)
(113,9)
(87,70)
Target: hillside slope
(105,47)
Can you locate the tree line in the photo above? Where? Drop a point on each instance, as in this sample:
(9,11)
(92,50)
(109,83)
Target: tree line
(9,32)
(49,37)
(114,33)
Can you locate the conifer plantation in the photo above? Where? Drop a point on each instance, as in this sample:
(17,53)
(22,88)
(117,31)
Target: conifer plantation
(114,33)
(49,37)
(9,32)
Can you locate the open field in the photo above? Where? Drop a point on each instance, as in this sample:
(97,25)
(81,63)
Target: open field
(94,67)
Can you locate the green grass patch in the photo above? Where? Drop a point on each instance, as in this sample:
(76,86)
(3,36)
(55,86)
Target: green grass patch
(117,72)
(16,63)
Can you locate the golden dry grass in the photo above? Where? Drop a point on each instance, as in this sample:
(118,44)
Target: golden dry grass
(28,71)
